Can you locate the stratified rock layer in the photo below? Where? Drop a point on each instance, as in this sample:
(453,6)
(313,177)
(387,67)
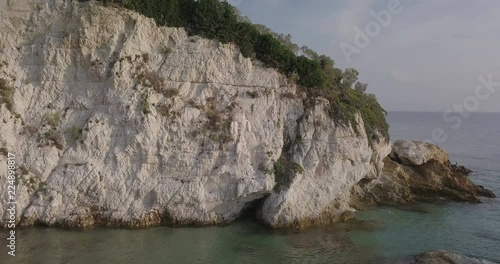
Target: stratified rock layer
(118,122)
(417,171)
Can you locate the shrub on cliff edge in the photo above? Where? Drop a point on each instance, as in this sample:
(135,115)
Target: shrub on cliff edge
(6,95)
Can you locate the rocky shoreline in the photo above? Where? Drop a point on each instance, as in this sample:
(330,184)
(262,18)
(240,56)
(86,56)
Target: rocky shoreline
(417,171)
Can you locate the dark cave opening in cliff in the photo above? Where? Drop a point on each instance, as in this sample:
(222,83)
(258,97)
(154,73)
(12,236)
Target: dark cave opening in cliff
(252,211)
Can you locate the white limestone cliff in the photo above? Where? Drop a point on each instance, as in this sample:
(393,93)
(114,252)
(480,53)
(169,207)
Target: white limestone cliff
(118,122)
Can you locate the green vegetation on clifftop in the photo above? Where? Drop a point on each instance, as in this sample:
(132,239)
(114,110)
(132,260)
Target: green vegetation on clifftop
(214,19)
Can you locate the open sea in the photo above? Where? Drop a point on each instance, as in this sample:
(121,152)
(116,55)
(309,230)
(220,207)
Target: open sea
(386,233)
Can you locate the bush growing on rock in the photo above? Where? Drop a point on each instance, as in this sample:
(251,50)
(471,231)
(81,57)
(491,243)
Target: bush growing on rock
(53,119)
(55,138)
(6,95)
(74,133)
(146,108)
(253,94)
(169,93)
(4,152)
(361,87)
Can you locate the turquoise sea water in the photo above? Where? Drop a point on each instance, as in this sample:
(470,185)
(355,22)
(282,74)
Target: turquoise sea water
(469,229)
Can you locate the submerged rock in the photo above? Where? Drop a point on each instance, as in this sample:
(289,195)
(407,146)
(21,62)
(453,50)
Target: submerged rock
(442,257)
(417,171)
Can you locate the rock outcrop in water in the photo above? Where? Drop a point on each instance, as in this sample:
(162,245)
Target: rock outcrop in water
(417,171)
(117,122)
(441,257)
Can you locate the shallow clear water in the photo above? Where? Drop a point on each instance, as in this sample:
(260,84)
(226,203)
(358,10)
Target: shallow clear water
(469,229)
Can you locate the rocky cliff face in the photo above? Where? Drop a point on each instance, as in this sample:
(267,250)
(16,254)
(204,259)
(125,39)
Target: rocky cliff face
(117,122)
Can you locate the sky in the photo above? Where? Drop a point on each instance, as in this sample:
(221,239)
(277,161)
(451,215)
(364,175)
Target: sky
(423,55)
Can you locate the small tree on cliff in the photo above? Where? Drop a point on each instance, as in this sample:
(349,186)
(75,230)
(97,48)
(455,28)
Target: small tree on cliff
(361,87)
(349,77)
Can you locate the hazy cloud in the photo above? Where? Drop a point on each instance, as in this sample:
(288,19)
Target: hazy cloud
(426,59)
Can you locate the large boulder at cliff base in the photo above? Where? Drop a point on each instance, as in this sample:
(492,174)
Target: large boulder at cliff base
(416,153)
(417,171)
